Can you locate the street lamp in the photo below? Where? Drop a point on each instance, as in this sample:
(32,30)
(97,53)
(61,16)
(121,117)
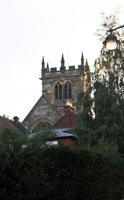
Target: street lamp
(111,42)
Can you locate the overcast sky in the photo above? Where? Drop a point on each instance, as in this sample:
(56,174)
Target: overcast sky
(30,29)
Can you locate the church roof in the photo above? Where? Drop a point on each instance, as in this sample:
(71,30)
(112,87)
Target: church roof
(42,110)
(69,119)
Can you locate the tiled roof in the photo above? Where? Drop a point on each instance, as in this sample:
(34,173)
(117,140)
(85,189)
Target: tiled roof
(69,120)
(19,125)
(5,123)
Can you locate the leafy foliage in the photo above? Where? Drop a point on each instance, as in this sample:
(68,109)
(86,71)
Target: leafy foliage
(12,140)
(109,22)
(103,118)
(59,173)
(84,104)
(35,172)
(39,138)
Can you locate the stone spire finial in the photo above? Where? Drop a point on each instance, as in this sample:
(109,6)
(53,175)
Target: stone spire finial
(43,63)
(62,68)
(82,59)
(86,62)
(47,67)
(62,61)
(86,66)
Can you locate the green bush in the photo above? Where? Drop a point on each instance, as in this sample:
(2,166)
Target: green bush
(59,173)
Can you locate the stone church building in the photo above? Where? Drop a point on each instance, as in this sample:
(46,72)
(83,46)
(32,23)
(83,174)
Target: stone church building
(60,88)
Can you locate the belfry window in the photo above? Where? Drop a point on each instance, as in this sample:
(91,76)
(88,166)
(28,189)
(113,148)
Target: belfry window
(58,91)
(67,91)
(63,91)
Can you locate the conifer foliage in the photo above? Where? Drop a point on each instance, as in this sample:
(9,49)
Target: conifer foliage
(108,92)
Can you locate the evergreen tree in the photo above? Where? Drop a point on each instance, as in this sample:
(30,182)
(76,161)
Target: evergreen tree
(108,85)
(107,103)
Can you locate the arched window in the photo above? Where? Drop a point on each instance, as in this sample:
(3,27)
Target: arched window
(42,125)
(67,90)
(58,91)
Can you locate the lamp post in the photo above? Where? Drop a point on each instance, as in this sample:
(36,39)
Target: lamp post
(111,42)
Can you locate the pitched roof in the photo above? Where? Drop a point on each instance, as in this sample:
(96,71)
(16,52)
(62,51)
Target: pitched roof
(19,125)
(69,120)
(42,110)
(6,123)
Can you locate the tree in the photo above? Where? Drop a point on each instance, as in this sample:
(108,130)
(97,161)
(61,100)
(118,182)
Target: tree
(39,138)
(60,173)
(12,141)
(102,117)
(109,87)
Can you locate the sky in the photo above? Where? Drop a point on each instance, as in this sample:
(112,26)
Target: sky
(30,29)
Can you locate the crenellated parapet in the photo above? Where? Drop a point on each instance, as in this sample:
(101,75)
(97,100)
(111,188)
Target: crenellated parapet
(46,71)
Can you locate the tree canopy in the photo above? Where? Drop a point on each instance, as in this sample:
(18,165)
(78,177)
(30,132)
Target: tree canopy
(103,109)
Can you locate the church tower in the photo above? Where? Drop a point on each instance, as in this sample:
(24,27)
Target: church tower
(60,87)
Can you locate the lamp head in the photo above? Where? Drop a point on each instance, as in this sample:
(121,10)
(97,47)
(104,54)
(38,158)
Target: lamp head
(111,42)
